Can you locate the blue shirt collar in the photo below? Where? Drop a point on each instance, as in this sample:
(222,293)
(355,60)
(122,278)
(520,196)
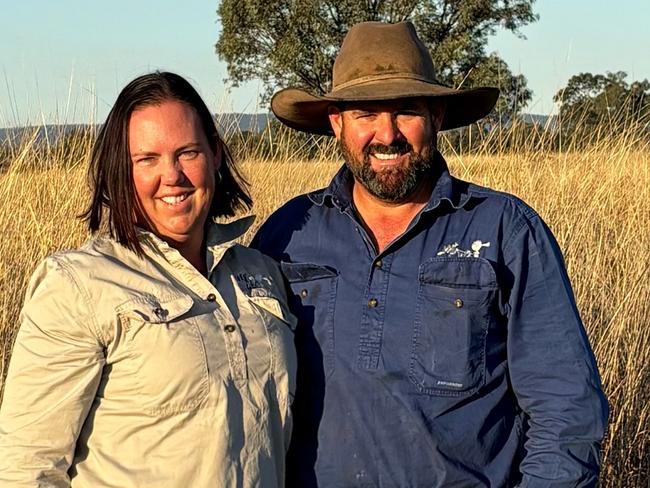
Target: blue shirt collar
(339,191)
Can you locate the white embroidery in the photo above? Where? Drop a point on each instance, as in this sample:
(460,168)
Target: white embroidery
(453,250)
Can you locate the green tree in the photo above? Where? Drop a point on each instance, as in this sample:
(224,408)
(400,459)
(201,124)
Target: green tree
(590,99)
(294,42)
(515,95)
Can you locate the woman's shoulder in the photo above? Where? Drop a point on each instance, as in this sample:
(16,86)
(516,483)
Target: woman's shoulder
(58,295)
(84,272)
(97,254)
(64,262)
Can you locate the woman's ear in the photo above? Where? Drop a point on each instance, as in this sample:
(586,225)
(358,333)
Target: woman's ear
(218,156)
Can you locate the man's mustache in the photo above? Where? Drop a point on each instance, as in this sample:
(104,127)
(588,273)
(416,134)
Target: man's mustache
(397,147)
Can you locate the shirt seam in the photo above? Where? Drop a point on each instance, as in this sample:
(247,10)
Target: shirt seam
(85,297)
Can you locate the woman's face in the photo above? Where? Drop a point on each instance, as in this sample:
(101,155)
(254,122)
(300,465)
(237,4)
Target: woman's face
(173,171)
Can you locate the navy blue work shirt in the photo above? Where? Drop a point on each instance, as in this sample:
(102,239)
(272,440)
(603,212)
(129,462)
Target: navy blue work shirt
(455,357)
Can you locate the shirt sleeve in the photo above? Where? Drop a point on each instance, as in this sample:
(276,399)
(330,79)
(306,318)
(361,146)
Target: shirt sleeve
(52,379)
(552,367)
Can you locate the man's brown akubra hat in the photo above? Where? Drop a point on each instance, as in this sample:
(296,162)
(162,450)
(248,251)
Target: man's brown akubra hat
(381,61)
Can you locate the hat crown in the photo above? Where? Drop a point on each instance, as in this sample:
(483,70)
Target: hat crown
(376,50)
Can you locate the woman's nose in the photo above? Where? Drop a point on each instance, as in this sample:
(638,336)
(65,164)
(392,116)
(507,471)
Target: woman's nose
(172,171)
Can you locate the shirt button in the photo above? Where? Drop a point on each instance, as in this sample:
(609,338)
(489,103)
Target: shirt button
(378,263)
(229,328)
(211,297)
(161,313)
(458,303)
(373,302)
(304,293)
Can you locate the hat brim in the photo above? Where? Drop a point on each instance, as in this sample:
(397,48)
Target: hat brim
(303,111)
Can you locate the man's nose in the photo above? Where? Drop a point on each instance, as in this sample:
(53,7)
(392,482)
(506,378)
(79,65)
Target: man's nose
(386,130)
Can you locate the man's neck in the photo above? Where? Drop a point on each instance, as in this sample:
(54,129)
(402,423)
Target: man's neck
(386,221)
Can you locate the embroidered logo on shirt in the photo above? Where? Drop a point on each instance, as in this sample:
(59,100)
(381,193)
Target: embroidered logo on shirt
(255,285)
(453,250)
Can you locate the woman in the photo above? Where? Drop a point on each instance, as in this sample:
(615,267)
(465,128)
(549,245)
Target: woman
(160,353)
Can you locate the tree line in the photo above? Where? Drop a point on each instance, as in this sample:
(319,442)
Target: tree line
(294,43)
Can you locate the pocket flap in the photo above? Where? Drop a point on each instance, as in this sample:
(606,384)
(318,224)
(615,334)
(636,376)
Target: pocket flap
(157,310)
(296,272)
(458,272)
(275,308)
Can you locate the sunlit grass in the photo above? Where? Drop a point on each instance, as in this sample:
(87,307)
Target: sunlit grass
(596,199)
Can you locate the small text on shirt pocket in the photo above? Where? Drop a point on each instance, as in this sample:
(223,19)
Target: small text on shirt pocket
(451,325)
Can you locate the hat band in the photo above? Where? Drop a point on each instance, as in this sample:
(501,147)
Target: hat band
(391,76)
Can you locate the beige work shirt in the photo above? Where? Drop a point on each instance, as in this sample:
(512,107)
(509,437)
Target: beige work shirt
(131,371)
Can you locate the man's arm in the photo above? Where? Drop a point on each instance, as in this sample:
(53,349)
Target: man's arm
(551,364)
(53,376)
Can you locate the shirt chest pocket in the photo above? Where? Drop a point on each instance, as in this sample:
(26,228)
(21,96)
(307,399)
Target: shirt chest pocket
(312,301)
(453,313)
(166,352)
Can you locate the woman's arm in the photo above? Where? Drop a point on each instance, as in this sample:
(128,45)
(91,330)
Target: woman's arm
(55,368)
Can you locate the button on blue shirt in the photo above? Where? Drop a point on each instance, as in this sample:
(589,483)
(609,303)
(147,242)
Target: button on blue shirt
(455,357)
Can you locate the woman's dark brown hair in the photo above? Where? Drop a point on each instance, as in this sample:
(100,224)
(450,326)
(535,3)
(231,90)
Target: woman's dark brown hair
(110,171)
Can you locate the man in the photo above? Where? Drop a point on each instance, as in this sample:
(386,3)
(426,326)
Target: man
(438,341)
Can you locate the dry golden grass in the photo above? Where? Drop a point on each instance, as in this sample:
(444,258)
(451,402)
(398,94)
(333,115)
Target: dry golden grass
(596,200)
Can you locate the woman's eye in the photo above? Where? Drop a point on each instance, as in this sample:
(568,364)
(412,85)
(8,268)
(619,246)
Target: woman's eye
(145,161)
(188,154)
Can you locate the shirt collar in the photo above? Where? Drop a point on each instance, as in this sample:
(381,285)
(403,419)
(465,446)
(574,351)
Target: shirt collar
(339,191)
(219,238)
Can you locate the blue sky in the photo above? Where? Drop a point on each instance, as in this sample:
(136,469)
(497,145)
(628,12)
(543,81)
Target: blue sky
(66,60)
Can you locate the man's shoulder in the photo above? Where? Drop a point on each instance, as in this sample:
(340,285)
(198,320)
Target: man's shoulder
(287,220)
(501,201)
(508,213)
(298,205)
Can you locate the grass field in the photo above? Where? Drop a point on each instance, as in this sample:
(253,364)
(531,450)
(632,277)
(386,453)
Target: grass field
(596,199)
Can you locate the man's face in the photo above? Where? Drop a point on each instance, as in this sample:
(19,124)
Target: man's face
(388,145)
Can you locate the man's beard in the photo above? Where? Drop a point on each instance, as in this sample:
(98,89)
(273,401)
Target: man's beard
(392,184)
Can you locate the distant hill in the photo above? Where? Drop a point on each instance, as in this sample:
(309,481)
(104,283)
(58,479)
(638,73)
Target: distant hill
(539,119)
(232,122)
(48,132)
(226,122)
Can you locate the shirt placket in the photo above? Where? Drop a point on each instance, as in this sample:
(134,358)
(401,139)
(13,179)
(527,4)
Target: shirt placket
(224,318)
(374,306)
(232,333)
(372,322)
(233,339)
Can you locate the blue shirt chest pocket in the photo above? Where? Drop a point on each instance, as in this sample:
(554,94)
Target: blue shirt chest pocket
(312,301)
(455,297)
